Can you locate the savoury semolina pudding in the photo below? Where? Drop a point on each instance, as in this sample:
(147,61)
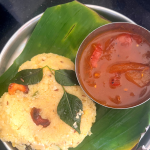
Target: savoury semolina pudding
(16,124)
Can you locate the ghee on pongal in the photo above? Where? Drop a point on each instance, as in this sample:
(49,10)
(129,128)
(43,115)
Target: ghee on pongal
(16,124)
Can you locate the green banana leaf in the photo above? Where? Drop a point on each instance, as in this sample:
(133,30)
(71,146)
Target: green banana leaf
(61,30)
(117,129)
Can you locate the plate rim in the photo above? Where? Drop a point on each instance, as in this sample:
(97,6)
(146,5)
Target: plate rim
(110,10)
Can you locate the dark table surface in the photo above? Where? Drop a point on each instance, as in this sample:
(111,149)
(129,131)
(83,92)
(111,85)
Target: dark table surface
(14,13)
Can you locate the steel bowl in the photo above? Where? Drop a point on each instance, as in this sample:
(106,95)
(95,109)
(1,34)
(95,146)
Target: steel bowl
(136,29)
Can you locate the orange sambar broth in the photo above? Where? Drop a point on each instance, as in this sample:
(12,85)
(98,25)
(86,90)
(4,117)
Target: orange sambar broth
(109,48)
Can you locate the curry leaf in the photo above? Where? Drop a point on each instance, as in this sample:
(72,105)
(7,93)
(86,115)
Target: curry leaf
(69,109)
(66,77)
(28,76)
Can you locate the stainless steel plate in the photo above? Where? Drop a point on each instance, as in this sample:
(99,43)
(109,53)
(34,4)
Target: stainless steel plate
(17,42)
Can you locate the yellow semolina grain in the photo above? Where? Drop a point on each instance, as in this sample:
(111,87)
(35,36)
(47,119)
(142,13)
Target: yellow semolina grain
(16,124)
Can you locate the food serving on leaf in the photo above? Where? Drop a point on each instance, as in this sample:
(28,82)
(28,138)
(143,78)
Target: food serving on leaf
(44,108)
(114,68)
(31,88)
